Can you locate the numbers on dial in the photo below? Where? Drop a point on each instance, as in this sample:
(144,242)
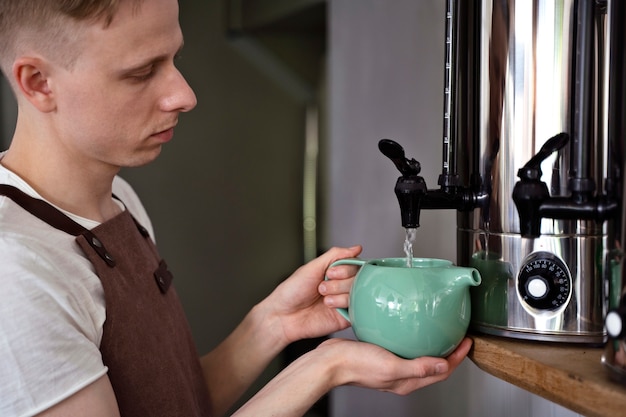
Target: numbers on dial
(544,281)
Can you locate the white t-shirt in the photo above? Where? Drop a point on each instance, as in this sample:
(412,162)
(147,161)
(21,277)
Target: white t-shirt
(51,306)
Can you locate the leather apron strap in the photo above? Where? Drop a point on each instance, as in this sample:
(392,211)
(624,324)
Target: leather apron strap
(55,218)
(147,343)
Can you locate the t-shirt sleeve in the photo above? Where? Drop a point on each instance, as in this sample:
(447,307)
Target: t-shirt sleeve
(50,325)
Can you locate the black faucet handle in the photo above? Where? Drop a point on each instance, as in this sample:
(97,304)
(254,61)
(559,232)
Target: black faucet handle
(395,152)
(530,192)
(532,169)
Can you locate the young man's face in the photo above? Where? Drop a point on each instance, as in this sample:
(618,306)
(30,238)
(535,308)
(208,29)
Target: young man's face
(117,105)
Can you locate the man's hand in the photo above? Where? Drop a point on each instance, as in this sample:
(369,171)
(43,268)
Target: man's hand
(301,303)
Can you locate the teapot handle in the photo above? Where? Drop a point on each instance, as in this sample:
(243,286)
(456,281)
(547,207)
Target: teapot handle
(348,261)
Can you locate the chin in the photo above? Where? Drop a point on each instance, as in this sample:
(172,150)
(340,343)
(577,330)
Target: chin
(142,159)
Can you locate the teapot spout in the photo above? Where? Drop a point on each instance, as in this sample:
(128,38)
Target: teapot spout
(468,277)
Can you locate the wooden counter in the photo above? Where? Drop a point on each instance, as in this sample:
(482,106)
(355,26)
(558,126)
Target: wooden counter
(569,375)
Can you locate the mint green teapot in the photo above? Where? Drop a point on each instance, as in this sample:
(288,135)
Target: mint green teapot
(422,310)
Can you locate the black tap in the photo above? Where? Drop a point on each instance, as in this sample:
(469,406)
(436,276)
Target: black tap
(413,194)
(530,192)
(410,187)
(533,200)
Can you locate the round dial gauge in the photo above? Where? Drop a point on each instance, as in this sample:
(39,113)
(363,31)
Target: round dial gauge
(544,281)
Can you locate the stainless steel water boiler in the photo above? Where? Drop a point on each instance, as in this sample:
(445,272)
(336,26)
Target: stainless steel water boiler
(530,81)
(533,138)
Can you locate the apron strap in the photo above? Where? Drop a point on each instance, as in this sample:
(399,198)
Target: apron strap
(43,210)
(55,218)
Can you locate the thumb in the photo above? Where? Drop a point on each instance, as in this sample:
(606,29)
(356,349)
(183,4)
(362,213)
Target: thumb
(427,366)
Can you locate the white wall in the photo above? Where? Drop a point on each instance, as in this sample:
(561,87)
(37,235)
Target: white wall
(386,81)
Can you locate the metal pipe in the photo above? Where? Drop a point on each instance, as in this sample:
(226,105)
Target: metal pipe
(449,89)
(581,184)
(617,91)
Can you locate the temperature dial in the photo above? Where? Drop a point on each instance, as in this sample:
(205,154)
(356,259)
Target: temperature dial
(544,282)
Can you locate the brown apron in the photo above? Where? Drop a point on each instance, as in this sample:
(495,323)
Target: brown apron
(146,343)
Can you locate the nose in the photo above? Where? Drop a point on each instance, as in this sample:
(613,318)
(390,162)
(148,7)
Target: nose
(180,96)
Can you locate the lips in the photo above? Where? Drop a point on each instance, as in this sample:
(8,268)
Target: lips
(164,135)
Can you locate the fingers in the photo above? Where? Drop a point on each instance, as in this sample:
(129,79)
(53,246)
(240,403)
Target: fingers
(425,367)
(460,352)
(342,271)
(335,286)
(336,293)
(336,253)
(429,366)
(336,290)
(337,301)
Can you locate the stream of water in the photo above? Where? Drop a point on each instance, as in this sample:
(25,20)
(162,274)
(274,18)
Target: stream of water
(408,245)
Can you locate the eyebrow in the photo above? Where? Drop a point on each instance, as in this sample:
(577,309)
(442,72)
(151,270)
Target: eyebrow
(149,62)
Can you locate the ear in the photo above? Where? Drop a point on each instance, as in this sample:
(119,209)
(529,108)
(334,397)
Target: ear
(30,75)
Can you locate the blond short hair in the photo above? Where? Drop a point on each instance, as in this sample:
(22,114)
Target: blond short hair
(49,25)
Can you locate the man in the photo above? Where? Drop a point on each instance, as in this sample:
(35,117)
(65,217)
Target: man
(89,321)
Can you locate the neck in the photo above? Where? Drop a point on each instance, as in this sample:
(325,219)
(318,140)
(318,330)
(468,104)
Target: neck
(79,188)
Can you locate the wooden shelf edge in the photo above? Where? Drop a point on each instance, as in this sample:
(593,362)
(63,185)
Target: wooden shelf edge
(571,376)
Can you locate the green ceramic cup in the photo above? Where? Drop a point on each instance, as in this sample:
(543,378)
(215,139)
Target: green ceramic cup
(423,310)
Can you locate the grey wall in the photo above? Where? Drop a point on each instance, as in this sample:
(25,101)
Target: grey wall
(386,81)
